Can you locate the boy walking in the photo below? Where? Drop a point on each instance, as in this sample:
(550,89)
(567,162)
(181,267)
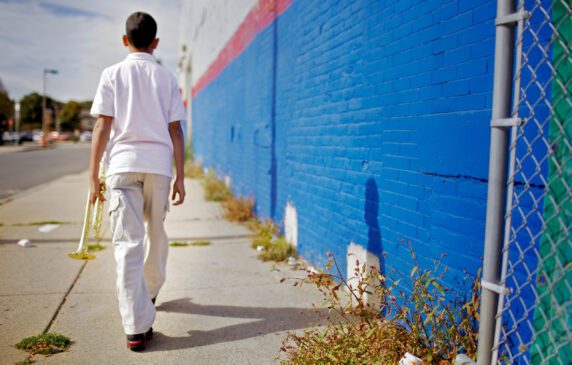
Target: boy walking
(138,110)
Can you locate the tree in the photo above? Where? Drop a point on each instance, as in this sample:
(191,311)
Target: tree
(70,116)
(31,110)
(6,107)
(6,110)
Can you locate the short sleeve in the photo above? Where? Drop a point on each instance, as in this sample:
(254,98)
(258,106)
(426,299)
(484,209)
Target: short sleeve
(176,109)
(103,103)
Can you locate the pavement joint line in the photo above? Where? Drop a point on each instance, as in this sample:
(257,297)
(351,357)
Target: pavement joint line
(40,241)
(49,326)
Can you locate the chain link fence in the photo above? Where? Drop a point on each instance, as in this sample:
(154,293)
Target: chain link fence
(535,313)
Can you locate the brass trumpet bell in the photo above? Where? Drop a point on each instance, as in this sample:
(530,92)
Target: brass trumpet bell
(81,255)
(82,252)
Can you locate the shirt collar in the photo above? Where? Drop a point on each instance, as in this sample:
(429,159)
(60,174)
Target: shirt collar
(141,56)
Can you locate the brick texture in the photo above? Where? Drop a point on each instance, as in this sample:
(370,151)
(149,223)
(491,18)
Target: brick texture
(371,118)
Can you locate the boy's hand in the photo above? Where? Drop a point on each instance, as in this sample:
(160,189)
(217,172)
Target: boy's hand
(178,188)
(95,191)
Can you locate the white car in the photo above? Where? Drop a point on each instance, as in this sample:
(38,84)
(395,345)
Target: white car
(85,136)
(37,135)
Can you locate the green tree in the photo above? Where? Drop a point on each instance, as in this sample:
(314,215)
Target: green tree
(70,116)
(6,105)
(31,110)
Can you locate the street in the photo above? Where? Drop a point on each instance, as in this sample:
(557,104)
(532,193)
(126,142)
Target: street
(23,169)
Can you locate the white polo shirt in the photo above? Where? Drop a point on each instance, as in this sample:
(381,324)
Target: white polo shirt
(143,98)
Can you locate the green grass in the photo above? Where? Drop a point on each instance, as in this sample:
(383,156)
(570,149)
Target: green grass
(44,344)
(187,244)
(96,247)
(41,223)
(278,250)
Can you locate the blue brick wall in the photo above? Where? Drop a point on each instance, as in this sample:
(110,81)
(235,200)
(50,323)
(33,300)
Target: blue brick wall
(372,119)
(375,114)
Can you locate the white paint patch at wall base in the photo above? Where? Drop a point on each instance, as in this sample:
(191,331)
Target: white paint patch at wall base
(356,258)
(291,224)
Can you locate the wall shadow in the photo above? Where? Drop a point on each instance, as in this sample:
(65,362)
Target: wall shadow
(264,321)
(371,217)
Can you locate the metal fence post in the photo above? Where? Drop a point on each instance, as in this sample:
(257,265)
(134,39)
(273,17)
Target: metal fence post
(496,196)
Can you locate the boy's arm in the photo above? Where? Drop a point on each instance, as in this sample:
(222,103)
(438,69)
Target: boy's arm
(176,133)
(100,136)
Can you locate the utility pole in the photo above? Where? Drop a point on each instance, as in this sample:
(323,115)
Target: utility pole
(17,121)
(45,123)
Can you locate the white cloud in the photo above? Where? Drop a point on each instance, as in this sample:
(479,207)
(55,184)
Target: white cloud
(78,38)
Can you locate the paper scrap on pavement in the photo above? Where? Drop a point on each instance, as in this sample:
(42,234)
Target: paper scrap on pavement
(48,228)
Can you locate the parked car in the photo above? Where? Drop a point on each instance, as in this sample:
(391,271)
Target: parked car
(25,136)
(17,137)
(37,135)
(85,136)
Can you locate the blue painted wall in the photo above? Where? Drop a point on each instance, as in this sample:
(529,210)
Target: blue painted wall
(371,117)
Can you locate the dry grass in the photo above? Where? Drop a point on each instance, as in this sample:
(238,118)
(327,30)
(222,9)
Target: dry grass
(215,190)
(193,170)
(422,322)
(238,209)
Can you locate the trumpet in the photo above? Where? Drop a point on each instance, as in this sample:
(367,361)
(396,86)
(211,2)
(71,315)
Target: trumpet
(89,222)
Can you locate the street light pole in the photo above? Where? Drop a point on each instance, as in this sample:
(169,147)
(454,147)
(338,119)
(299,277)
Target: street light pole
(45,124)
(17,121)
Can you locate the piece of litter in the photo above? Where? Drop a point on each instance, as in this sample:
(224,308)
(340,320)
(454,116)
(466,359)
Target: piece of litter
(24,242)
(48,228)
(291,261)
(259,248)
(410,359)
(312,270)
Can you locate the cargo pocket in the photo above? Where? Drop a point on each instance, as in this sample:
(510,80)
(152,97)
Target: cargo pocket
(114,212)
(167,209)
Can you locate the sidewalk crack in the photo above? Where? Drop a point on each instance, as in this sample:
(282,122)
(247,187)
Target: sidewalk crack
(49,326)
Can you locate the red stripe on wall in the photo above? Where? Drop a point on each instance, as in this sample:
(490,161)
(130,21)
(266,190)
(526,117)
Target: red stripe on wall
(260,17)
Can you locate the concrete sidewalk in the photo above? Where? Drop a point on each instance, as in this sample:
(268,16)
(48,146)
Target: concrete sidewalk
(220,304)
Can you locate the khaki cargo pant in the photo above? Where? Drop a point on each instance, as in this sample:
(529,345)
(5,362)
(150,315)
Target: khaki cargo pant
(138,204)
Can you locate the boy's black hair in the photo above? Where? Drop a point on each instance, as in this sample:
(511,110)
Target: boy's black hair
(140,29)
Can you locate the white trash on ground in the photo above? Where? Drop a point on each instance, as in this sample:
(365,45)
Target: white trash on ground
(24,242)
(410,359)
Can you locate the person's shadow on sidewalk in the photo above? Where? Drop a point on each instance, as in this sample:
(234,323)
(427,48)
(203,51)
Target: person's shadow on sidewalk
(264,321)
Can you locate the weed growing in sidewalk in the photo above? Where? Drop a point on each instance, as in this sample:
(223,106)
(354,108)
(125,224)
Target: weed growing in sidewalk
(272,248)
(215,190)
(278,250)
(421,321)
(41,223)
(238,209)
(187,244)
(262,233)
(96,247)
(193,170)
(44,344)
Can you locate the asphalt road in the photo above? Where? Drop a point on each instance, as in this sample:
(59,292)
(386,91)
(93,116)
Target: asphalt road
(22,170)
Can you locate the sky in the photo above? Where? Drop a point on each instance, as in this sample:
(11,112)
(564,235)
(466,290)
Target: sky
(79,38)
